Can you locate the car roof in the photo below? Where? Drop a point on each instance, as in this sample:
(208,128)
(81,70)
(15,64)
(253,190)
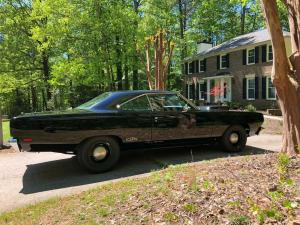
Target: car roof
(143,92)
(117,97)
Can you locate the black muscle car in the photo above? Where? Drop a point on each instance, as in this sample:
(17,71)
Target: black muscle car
(98,130)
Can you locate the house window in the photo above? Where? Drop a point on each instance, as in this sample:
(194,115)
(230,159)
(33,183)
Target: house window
(270,53)
(202,65)
(251,88)
(223,61)
(271,91)
(251,56)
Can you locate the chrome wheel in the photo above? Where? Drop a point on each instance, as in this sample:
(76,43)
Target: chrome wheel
(234,138)
(100,153)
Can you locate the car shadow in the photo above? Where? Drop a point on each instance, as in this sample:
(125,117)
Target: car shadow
(67,173)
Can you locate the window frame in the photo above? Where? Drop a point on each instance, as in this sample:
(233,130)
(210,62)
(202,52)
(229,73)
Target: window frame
(267,89)
(248,50)
(248,78)
(201,71)
(221,58)
(268,53)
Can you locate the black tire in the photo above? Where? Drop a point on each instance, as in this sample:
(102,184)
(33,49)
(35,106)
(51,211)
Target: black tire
(229,144)
(87,160)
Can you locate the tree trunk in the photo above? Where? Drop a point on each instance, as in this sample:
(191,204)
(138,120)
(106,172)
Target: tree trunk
(182,22)
(286,71)
(1,132)
(243,16)
(135,74)
(119,64)
(46,71)
(33,99)
(126,77)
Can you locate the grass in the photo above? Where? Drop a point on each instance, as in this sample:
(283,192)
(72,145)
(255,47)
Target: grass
(6,132)
(166,196)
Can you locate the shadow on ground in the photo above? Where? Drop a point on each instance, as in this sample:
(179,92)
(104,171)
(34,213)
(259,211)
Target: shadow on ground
(66,172)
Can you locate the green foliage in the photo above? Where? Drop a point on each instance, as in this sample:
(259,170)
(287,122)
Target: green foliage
(169,216)
(250,108)
(239,220)
(283,161)
(190,207)
(208,185)
(234,105)
(59,53)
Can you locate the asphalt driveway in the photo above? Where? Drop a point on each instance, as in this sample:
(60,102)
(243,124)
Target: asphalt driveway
(27,178)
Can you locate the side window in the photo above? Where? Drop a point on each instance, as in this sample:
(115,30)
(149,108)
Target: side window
(168,103)
(137,104)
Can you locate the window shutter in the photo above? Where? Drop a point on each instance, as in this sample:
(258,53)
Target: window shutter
(204,64)
(197,91)
(244,57)
(186,68)
(197,66)
(256,88)
(227,61)
(186,90)
(244,88)
(205,90)
(218,62)
(264,53)
(256,54)
(264,88)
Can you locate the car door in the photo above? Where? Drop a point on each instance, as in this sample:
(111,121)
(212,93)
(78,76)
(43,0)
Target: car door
(175,118)
(136,119)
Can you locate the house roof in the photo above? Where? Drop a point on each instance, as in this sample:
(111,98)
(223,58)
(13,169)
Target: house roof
(239,41)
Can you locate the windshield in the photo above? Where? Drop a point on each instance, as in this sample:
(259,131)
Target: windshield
(94,101)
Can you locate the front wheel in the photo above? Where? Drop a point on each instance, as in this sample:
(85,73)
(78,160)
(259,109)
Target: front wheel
(234,139)
(98,154)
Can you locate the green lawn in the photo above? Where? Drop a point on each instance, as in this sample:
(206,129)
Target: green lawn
(6,130)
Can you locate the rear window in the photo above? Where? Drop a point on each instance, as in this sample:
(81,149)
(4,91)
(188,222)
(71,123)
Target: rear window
(95,101)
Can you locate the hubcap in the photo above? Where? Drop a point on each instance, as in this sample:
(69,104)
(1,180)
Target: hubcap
(234,138)
(100,153)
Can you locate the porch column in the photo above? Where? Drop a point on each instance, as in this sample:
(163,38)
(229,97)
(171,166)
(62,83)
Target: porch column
(208,90)
(229,87)
(222,90)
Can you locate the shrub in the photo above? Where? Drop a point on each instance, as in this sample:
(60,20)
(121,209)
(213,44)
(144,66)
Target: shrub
(250,108)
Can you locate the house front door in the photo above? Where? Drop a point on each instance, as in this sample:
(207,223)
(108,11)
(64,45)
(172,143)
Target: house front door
(219,89)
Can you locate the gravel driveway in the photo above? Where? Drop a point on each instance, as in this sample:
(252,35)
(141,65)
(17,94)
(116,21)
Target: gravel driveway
(27,178)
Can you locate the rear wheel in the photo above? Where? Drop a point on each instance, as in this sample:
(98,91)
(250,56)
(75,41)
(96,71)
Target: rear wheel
(234,139)
(98,154)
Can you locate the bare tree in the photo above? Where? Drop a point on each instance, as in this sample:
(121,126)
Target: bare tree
(162,59)
(286,70)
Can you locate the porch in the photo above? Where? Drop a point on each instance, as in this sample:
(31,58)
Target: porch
(217,89)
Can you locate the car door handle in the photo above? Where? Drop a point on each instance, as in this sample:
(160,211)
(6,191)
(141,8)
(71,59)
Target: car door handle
(50,129)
